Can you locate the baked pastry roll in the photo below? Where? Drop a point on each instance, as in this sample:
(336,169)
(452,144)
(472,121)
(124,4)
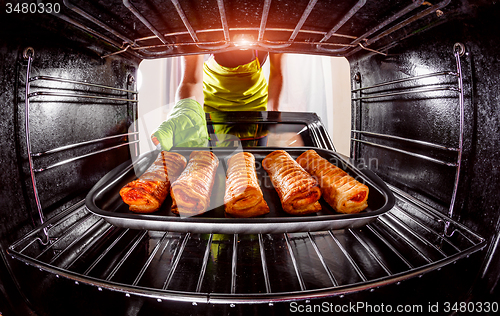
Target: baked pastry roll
(191,191)
(243,196)
(344,193)
(298,190)
(147,193)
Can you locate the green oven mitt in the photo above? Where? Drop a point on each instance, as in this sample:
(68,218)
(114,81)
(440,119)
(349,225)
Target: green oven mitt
(186,126)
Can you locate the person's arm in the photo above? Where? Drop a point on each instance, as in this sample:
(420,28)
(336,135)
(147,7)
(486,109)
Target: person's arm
(275,81)
(191,85)
(186,125)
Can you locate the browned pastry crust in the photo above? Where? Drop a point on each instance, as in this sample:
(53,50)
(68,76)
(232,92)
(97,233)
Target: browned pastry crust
(344,193)
(243,196)
(146,194)
(298,190)
(191,191)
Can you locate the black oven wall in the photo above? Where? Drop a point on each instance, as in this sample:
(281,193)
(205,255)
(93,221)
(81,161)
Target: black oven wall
(56,120)
(434,117)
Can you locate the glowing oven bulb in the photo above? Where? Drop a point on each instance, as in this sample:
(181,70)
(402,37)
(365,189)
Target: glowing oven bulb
(244,40)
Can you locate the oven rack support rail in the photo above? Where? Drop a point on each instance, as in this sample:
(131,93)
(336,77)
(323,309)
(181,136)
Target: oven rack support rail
(248,269)
(29,54)
(458,51)
(164,44)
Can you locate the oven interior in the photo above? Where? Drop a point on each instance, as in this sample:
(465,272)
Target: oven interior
(423,119)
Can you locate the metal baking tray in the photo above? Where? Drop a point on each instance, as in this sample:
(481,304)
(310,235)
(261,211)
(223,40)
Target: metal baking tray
(104,200)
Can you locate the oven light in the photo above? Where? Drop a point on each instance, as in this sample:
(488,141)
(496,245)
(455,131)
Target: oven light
(244,41)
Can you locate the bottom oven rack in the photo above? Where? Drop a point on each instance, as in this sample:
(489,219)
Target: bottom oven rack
(408,241)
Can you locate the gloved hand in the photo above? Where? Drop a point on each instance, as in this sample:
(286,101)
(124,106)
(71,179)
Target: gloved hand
(186,126)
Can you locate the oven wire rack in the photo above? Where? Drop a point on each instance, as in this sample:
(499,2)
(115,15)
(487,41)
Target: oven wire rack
(357,132)
(408,241)
(157,43)
(97,92)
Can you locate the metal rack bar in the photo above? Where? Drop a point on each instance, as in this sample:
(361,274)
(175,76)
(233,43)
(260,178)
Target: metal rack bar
(89,84)
(361,46)
(88,246)
(185,20)
(391,94)
(192,32)
(132,44)
(127,47)
(95,33)
(176,261)
(75,241)
(405,239)
(28,55)
(28,245)
(178,45)
(390,246)
(73,95)
(415,234)
(323,137)
(98,22)
(367,250)
(234,263)
(58,219)
(380,26)
(349,258)
(322,259)
(223,19)
(419,204)
(294,262)
(48,230)
(269,45)
(136,243)
(150,258)
(404,23)
(461,104)
(396,16)
(441,162)
(415,141)
(249,29)
(370,251)
(206,257)
(29,95)
(458,50)
(387,83)
(74,226)
(303,19)
(300,23)
(127,42)
(206,45)
(62,148)
(339,24)
(263,20)
(144,21)
(84,156)
(105,252)
(448,234)
(415,202)
(265,270)
(425,227)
